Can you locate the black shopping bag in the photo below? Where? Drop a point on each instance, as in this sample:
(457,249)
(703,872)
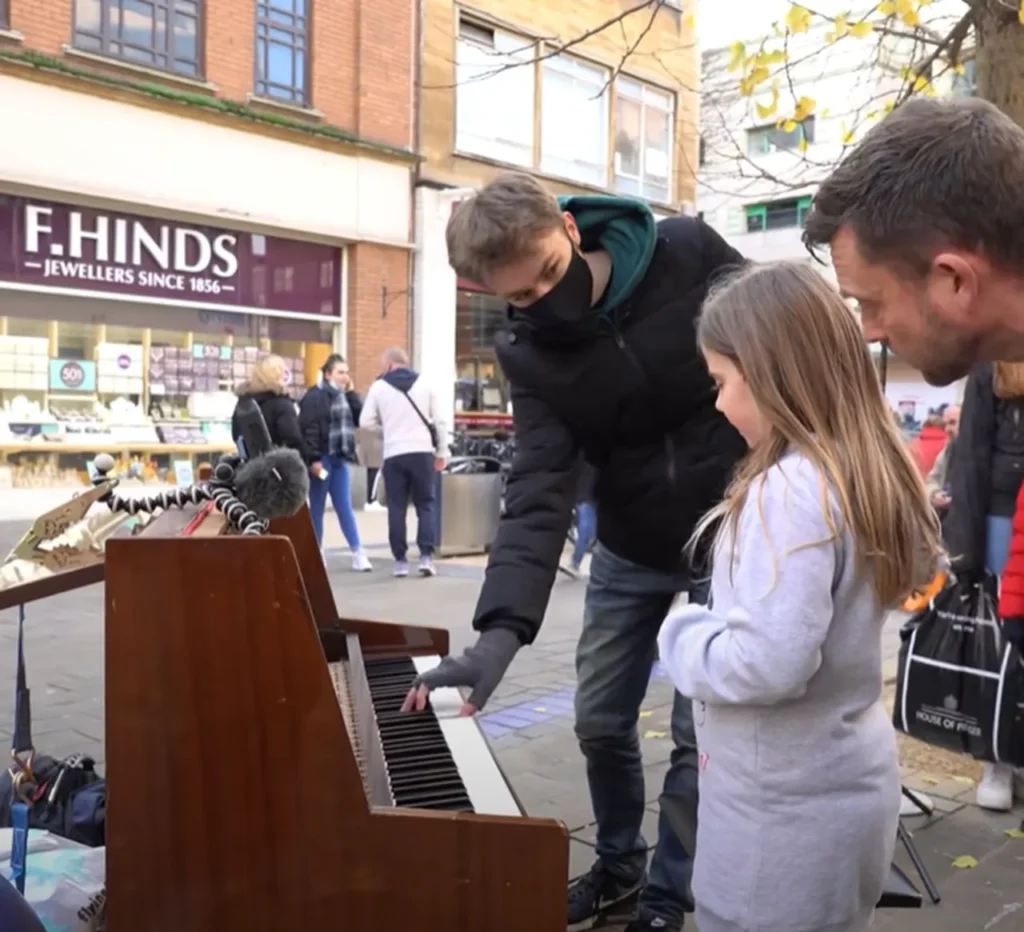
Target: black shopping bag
(961,684)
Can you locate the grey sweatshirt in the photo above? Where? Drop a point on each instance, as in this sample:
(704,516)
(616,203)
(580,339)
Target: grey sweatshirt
(799,775)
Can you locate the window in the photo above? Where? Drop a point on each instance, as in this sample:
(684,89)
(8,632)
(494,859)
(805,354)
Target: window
(161,34)
(4,22)
(494,103)
(964,85)
(643,140)
(765,139)
(777,215)
(282,45)
(574,120)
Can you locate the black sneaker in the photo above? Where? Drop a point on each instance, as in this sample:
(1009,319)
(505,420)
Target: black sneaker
(652,925)
(596,894)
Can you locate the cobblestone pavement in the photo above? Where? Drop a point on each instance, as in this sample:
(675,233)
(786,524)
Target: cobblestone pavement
(529,723)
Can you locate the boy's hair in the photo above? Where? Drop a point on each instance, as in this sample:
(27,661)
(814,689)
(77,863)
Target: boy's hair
(934,174)
(803,356)
(500,224)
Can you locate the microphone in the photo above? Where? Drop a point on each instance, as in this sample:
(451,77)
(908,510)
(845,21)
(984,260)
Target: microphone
(254,438)
(273,485)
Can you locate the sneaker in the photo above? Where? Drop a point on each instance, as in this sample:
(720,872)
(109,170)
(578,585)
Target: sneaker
(401,568)
(648,925)
(427,567)
(595,893)
(361,562)
(571,569)
(995,791)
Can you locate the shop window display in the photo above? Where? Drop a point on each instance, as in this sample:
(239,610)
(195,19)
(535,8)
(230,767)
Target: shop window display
(159,400)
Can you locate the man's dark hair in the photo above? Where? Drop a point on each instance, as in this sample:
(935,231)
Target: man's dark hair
(933,174)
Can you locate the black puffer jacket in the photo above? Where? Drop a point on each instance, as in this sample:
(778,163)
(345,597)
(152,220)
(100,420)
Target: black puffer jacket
(986,468)
(315,419)
(640,403)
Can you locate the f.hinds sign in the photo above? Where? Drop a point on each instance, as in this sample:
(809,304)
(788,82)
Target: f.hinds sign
(119,251)
(59,246)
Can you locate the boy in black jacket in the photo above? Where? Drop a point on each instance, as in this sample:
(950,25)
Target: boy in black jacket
(602,358)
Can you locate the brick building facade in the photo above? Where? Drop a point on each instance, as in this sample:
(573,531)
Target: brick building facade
(298,113)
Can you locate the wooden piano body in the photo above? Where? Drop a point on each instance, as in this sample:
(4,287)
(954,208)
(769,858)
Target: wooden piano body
(236,802)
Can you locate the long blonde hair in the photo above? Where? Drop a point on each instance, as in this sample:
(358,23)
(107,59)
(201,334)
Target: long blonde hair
(803,356)
(1008,380)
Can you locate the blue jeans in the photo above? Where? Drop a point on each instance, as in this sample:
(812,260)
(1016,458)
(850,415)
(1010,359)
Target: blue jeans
(336,485)
(623,611)
(586,528)
(998,531)
(411,476)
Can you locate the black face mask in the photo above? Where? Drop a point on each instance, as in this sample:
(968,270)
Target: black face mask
(566,313)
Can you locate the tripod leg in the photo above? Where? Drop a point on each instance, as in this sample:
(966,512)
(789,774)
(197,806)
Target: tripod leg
(919,866)
(917,801)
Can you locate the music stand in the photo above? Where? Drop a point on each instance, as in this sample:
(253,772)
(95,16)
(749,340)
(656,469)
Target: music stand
(908,844)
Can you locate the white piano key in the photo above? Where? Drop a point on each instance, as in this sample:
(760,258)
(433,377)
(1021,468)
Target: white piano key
(473,757)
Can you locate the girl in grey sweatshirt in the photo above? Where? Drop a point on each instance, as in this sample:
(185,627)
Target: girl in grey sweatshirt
(824,528)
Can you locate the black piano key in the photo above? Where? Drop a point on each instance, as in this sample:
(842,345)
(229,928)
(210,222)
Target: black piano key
(420,767)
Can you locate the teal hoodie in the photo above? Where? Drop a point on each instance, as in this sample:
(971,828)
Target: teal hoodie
(626,230)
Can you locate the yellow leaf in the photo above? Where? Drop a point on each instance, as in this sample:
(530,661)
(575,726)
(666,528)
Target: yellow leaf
(830,38)
(958,68)
(886,8)
(842,26)
(766,110)
(824,113)
(920,83)
(688,21)
(847,134)
(750,83)
(888,106)
(802,145)
(804,108)
(1015,832)
(798,19)
(910,18)
(646,713)
(655,734)
(789,126)
(737,55)
(861,29)
(1020,12)
(965,862)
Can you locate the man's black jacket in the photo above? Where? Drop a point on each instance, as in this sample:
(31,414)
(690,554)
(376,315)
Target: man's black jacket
(640,404)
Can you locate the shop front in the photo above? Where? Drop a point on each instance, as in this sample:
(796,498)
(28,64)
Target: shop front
(129,334)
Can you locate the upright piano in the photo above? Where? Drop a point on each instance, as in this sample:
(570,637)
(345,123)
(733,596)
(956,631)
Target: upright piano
(260,775)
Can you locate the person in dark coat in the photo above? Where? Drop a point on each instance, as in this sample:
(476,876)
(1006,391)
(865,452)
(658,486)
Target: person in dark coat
(602,359)
(328,416)
(266,386)
(985,475)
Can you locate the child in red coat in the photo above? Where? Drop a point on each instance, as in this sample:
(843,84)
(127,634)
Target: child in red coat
(1011,584)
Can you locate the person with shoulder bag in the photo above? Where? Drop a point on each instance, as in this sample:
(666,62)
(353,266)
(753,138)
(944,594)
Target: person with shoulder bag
(406,410)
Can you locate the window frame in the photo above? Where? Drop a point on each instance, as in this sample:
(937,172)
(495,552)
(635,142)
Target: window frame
(474,32)
(266,22)
(564,65)
(768,135)
(105,38)
(669,109)
(761,210)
